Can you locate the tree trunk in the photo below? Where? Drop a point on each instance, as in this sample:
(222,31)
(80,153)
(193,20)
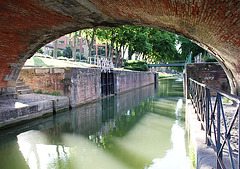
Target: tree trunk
(110,53)
(74,48)
(90,44)
(74,44)
(117,57)
(55,49)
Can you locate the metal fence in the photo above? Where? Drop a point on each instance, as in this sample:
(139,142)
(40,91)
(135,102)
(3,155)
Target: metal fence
(219,120)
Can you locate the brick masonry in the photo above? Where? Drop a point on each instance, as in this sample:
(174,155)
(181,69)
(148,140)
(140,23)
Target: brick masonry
(26,25)
(81,85)
(211,74)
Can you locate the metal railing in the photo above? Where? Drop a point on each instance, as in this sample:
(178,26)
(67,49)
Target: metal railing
(220,124)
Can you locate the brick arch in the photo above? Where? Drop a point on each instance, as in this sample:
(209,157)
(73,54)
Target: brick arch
(26,25)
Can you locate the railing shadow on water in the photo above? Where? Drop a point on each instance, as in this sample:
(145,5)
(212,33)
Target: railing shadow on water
(219,120)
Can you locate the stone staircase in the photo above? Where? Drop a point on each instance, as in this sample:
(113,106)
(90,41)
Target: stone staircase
(22,88)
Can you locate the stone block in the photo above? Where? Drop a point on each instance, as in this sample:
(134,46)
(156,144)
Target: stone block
(60,103)
(42,70)
(58,70)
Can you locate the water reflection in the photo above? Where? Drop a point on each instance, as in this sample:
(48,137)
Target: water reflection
(139,129)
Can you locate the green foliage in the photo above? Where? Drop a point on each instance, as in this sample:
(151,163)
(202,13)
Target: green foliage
(53,93)
(82,57)
(38,91)
(192,156)
(164,45)
(59,53)
(211,60)
(48,93)
(136,65)
(187,46)
(40,51)
(155,44)
(51,53)
(67,52)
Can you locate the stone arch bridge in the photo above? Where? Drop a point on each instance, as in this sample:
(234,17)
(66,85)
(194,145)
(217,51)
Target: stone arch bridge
(27,25)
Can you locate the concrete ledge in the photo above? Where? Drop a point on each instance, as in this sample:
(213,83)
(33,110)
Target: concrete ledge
(8,96)
(29,106)
(58,102)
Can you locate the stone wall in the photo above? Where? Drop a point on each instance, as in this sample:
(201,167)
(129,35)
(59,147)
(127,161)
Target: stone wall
(81,85)
(211,74)
(128,80)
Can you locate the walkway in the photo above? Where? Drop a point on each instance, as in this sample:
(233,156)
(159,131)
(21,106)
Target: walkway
(205,155)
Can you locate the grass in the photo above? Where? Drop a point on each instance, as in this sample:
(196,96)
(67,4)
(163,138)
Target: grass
(226,100)
(49,62)
(192,156)
(48,93)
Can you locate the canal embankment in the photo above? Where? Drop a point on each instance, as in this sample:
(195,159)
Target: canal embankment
(83,85)
(204,157)
(30,106)
(75,85)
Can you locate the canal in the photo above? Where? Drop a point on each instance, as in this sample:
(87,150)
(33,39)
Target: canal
(141,129)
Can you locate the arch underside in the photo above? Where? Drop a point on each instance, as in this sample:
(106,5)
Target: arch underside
(27,25)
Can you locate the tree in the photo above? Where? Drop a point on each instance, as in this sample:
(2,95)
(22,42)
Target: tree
(55,49)
(152,44)
(67,52)
(108,36)
(140,41)
(118,38)
(164,45)
(188,46)
(90,35)
(74,40)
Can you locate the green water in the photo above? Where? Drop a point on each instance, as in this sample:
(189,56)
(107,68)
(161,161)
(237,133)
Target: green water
(142,129)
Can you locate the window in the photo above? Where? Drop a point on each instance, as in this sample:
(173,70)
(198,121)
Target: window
(61,42)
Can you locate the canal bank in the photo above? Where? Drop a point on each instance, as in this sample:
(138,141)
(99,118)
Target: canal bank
(76,85)
(82,85)
(203,156)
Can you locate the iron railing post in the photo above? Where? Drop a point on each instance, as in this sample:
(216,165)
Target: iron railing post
(238,135)
(207,116)
(218,143)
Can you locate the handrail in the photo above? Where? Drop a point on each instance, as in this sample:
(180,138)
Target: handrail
(230,96)
(213,120)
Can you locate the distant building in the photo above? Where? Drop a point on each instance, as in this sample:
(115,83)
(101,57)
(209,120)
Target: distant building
(64,41)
